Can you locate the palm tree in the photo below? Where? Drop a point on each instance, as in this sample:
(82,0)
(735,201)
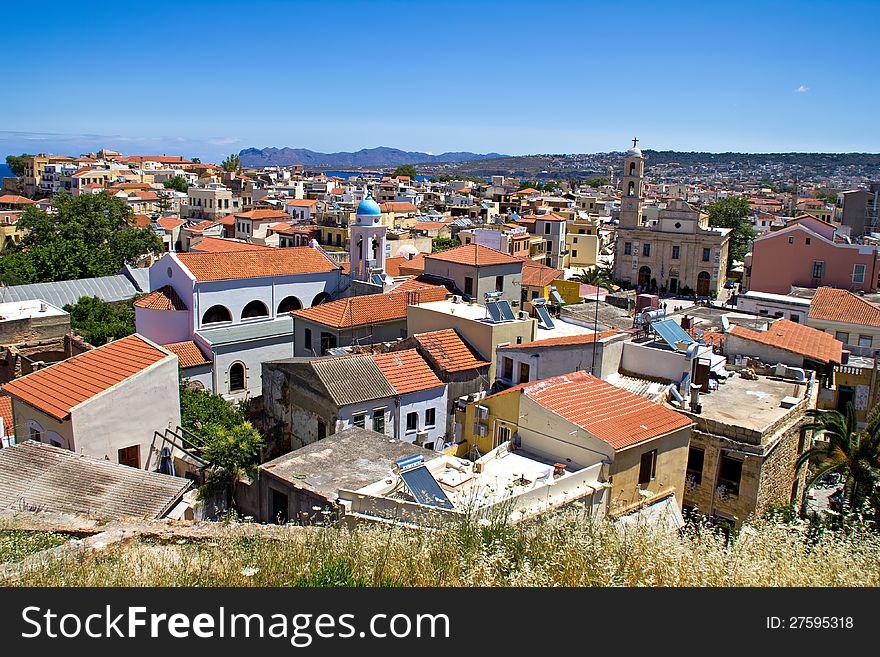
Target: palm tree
(600,277)
(853,453)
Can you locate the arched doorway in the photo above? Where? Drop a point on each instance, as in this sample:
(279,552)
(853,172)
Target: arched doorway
(236,377)
(645,276)
(323,297)
(288,304)
(703,284)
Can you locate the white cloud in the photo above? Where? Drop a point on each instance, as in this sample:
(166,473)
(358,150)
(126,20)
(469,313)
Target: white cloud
(802,89)
(223,141)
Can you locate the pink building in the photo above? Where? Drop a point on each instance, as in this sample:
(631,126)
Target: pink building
(802,257)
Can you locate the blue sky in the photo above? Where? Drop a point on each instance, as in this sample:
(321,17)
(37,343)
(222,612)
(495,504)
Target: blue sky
(514,77)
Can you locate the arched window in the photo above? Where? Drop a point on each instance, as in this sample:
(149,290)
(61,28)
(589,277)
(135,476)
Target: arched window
(632,188)
(323,297)
(288,304)
(632,168)
(216,314)
(236,377)
(255,309)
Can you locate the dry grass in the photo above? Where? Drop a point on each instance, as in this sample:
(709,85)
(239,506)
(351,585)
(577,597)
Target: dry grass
(563,550)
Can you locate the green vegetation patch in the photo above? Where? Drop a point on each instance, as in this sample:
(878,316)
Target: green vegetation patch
(15,545)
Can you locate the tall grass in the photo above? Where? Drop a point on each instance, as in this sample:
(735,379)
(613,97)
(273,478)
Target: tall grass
(563,550)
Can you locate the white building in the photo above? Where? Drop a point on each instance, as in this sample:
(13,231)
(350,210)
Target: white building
(235,307)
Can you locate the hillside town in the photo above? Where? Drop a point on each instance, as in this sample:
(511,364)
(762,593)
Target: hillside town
(185,340)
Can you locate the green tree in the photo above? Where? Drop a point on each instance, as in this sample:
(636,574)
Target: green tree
(598,276)
(200,410)
(597,182)
(232,163)
(233,453)
(177,183)
(196,160)
(853,453)
(405,170)
(16,163)
(443,243)
(89,235)
(97,320)
(733,212)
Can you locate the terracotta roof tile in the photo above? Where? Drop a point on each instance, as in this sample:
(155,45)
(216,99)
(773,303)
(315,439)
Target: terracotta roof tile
(165,298)
(449,351)
(565,340)
(301,202)
(222,245)
(406,371)
(256,263)
(169,223)
(15,199)
(415,283)
(188,354)
(473,254)
(534,274)
(6,414)
(397,206)
(369,309)
(796,338)
(416,265)
(843,306)
(620,418)
(430,225)
(59,388)
(259,215)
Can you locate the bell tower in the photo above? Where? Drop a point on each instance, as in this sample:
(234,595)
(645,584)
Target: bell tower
(631,193)
(366,243)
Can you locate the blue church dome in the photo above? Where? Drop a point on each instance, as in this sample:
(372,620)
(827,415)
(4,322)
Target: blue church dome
(368,207)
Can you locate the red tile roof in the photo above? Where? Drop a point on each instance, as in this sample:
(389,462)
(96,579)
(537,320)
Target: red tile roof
(165,298)
(843,306)
(534,274)
(222,245)
(256,263)
(406,371)
(188,354)
(474,254)
(449,351)
(15,199)
(565,340)
(620,418)
(413,266)
(169,223)
(260,215)
(6,414)
(59,388)
(796,338)
(300,202)
(430,225)
(369,309)
(141,221)
(397,206)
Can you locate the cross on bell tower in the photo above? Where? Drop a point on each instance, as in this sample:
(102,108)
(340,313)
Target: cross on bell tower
(635,141)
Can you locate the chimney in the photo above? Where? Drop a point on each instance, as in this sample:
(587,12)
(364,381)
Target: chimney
(696,407)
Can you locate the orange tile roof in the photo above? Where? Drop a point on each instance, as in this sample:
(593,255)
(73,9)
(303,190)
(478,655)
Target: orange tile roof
(565,340)
(15,198)
(416,283)
(526,192)
(392,266)
(228,220)
(397,206)
(406,371)
(165,298)
(534,274)
(188,354)
(551,216)
(59,388)
(416,264)
(201,226)
(258,215)
(843,306)
(338,191)
(430,225)
(796,338)
(619,417)
(223,245)
(6,414)
(300,202)
(162,159)
(142,221)
(369,309)
(474,254)
(169,223)
(255,263)
(449,351)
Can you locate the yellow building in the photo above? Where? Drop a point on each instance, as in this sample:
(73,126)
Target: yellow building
(581,420)
(583,243)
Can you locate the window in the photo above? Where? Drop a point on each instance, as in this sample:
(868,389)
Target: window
(646,250)
(508,368)
(254,309)
(729,474)
(359,420)
(706,254)
(791,240)
(858,274)
(379,420)
(574,254)
(534,294)
(468,286)
(843,336)
(236,377)
(430,417)
(412,422)
(808,241)
(502,435)
(499,283)
(795,318)
(328,341)
(676,252)
(216,314)
(865,341)
(523,372)
(627,248)
(288,304)
(546,229)
(648,467)
(307,339)
(818,268)
(696,456)
(130,456)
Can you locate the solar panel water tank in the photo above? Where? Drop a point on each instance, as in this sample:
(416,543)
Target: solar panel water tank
(424,487)
(544,319)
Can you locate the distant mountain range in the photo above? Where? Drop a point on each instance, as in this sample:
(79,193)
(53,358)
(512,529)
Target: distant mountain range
(366,157)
